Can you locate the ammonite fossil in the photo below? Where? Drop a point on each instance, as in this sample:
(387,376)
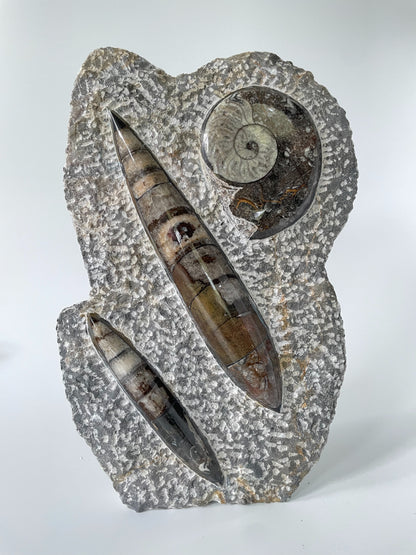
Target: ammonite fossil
(265,143)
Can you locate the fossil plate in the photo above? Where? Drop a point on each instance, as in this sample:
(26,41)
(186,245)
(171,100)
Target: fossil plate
(274,219)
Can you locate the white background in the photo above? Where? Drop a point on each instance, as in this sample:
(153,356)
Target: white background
(361,496)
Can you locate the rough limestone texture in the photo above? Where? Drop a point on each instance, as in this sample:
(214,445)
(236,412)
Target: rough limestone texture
(264,455)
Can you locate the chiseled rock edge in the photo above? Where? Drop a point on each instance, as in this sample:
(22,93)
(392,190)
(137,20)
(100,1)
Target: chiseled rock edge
(264,455)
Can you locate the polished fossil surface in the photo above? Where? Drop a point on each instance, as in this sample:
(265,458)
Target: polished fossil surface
(158,405)
(218,302)
(263,454)
(264,142)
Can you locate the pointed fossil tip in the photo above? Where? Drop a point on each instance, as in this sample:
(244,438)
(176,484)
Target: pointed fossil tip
(92,319)
(215,475)
(116,121)
(220,479)
(278,408)
(258,235)
(273,407)
(273,401)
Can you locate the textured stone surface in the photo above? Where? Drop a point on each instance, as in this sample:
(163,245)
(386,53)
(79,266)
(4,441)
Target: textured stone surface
(264,455)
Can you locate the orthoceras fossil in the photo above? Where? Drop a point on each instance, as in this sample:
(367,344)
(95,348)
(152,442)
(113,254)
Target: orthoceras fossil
(217,300)
(154,400)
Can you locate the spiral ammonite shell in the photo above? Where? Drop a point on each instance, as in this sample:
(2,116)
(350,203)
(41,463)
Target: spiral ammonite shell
(264,142)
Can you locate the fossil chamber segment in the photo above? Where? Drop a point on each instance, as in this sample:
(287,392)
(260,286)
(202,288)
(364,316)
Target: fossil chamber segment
(266,144)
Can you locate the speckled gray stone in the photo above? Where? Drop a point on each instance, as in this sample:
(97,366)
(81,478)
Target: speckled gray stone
(264,455)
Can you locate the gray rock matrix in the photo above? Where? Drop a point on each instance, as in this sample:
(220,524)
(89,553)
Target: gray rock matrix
(264,455)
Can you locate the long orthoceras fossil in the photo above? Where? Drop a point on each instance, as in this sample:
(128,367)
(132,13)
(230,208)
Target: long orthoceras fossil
(153,399)
(216,298)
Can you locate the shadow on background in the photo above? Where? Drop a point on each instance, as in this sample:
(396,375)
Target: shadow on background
(358,448)
(7,350)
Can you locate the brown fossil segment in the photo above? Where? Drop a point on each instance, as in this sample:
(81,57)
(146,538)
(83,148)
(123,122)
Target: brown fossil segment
(265,143)
(154,400)
(216,298)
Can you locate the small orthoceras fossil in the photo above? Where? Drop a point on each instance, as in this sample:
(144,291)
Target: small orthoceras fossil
(153,399)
